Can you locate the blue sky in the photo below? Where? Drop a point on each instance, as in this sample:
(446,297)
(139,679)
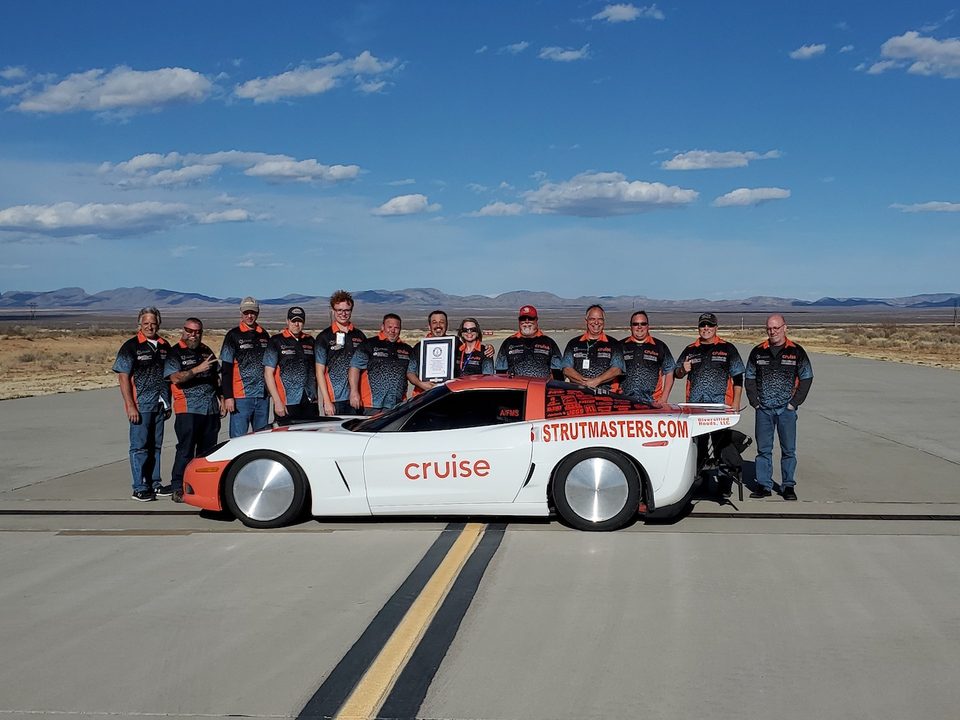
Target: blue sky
(674,150)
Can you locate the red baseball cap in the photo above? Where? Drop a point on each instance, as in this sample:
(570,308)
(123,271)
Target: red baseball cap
(529,311)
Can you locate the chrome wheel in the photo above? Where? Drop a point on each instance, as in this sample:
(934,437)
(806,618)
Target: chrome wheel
(596,489)
(265,489)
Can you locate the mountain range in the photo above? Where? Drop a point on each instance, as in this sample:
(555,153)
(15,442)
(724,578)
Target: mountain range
(122,299)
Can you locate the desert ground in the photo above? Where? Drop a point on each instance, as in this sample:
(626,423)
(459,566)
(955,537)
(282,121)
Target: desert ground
(48,355)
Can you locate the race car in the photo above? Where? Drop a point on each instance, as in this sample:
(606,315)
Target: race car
(484,445)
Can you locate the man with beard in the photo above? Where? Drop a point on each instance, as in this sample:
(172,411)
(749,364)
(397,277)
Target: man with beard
(192,370)
(528,352)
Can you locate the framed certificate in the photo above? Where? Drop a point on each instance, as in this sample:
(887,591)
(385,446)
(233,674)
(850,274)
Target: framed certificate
(436,358)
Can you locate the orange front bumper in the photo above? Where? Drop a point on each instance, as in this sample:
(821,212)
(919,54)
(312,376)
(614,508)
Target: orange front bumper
(201,483)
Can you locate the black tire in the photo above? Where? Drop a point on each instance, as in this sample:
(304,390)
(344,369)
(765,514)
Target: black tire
(596,489)
(265,489)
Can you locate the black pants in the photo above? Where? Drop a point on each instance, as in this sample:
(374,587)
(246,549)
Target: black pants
(710,446)
(196,434)
(303,410)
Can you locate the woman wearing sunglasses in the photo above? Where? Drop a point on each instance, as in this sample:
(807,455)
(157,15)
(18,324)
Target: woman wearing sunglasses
(472,357)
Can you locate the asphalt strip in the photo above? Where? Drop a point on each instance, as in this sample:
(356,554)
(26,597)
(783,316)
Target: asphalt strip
(411,687)
(350,672)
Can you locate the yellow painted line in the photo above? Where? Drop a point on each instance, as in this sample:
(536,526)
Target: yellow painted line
(372,690)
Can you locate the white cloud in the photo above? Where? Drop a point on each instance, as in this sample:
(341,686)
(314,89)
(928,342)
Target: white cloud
(477,187)
(924,55)
(625,12)
(258,260)
(558,54)
(406,205)
(232,215)
(846,49)
(364,69)
(498,209)
(12,72)
(805,52)
(9,90)
(144,170)
(372,87)
(182,250)
(880,67)
(119,90)
(604,194)
(405,181)
(68,219)
(301,171)
(933,206)
(712,159)
(515,48)
(750,196)
(14,266)
(480,50)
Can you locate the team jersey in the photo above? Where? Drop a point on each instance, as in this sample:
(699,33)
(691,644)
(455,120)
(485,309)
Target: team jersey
(383,383)
(777,374)
(474,362)
(534,356)
(646,363)
(592,358)
(197,395)
(335,352)
(241,357)
(291,359)
(144,362)
(714,366)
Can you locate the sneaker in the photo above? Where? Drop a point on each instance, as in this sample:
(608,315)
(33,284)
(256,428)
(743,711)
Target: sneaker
(761,492)
(789,493)
(143,495)
(177,496)
(163,490)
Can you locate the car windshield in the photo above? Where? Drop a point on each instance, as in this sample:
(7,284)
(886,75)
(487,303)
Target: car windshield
(378,422)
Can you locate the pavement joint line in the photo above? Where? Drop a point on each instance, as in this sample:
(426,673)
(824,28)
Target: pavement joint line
(846,424)
(375,685)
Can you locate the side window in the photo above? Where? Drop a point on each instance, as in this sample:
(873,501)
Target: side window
(470,408)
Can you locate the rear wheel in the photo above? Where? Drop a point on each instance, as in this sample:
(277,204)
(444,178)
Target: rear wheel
(265,489)
(596,489)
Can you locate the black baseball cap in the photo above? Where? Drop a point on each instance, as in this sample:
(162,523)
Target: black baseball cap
(708,318)
(296,313)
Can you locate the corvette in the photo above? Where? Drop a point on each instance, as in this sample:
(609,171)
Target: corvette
(485,445)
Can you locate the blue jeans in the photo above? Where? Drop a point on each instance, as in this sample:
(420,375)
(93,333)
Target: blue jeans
(146,439)
(250,412)
(784,421)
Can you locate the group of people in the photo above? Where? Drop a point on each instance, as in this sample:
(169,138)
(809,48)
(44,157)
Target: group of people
(344,372)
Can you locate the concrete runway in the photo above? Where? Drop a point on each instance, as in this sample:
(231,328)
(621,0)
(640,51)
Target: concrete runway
(840,605)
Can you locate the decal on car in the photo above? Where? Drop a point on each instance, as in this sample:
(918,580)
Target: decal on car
(441,470)
(591,429)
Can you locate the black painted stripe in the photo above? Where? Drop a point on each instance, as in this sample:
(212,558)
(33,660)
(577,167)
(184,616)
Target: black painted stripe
(338,685)
(411,687)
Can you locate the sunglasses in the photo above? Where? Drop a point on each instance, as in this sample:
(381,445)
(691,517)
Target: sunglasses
(527,318)
(469,329)
(707,325)
(193,331)
(639,324)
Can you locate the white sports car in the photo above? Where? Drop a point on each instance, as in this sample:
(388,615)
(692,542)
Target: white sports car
(485,445)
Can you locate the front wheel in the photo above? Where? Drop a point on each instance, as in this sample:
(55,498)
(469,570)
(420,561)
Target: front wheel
(265,489)
(596,489)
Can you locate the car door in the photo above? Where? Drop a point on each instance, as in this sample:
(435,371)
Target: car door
(471,446)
